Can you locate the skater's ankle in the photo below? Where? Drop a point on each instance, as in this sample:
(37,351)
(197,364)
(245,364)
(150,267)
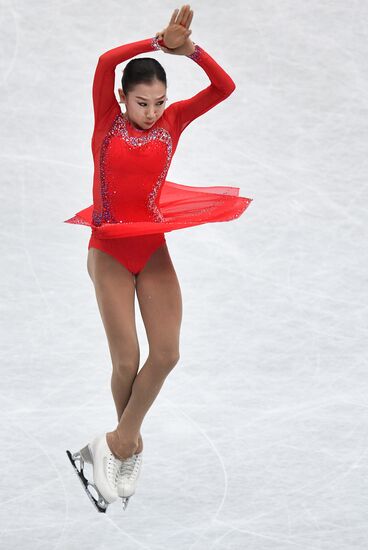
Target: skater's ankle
(139,449)
(120,449)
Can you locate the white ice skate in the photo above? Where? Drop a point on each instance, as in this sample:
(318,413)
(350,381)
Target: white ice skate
(105,471)
(128,476)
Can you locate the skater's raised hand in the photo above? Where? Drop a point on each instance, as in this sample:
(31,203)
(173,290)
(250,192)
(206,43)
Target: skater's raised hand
(177,31)
(186,49)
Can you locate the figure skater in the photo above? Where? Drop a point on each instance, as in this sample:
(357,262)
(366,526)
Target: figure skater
(133,206)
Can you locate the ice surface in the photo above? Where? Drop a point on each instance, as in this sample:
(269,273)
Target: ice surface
(258,438)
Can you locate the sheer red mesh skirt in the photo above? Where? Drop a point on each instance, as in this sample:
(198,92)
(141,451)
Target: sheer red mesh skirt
(180,205)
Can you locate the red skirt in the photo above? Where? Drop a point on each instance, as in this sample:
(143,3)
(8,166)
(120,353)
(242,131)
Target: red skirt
(180,205)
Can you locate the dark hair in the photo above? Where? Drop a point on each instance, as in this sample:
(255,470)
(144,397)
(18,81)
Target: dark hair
(142,70)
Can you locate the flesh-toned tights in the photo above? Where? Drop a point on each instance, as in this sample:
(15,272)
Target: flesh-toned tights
(160,302)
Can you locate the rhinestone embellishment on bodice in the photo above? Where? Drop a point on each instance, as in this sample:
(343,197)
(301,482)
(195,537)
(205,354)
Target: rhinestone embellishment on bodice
(120,128)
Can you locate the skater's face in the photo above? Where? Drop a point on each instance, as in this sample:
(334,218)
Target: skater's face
(145,103)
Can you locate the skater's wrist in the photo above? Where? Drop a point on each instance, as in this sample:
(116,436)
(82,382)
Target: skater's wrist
(191,48)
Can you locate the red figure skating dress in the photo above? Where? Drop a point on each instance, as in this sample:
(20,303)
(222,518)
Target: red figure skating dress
(133,204)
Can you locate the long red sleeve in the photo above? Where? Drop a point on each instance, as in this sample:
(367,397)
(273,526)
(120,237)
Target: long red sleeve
(105,104)
(220,88)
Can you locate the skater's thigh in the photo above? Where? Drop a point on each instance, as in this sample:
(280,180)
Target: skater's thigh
(115,293)
(160,302)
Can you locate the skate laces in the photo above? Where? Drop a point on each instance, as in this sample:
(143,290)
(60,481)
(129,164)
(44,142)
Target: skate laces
(130,466)
(112,467)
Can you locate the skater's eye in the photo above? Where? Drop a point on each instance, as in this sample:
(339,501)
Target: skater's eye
(143,104)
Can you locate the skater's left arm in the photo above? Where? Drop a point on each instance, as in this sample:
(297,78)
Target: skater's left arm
(220,88)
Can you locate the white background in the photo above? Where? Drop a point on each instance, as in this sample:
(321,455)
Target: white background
(258,438)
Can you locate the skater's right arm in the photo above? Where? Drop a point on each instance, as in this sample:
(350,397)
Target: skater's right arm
(105,104)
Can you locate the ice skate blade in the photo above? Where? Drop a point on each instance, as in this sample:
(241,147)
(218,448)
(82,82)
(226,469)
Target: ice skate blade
(84,455)
(125,501)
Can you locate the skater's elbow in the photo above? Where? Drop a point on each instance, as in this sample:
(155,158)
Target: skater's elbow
(230,86)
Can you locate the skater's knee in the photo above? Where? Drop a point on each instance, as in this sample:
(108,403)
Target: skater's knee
(164,358)
(126,367)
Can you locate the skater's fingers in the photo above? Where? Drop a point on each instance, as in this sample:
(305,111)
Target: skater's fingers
(173,17)
(183,15)
(190,19)
(187,17)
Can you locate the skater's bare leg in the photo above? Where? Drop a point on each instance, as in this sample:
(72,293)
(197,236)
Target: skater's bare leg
(160,303)
(115,292)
